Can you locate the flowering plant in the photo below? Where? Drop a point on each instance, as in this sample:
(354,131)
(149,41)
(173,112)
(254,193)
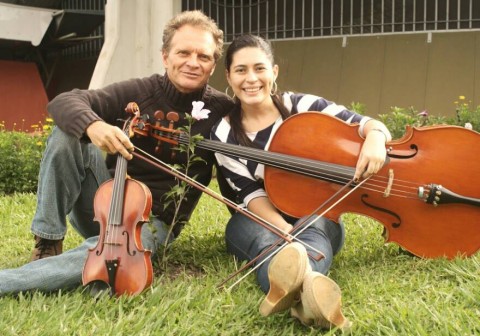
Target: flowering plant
(179,192)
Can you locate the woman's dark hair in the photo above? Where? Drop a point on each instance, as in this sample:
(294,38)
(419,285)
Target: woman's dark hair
(249,41)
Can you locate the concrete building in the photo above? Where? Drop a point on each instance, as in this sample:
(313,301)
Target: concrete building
(382,53)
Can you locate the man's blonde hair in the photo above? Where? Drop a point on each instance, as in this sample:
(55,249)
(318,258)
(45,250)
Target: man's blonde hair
(197,19)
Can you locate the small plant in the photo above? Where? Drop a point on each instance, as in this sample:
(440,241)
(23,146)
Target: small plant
(357,107)
(178,193)
(466,115)
(399,118)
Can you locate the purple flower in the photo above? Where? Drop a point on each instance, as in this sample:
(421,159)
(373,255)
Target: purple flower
(424,113)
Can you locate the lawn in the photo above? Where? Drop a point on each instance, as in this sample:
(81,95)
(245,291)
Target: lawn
(385,291)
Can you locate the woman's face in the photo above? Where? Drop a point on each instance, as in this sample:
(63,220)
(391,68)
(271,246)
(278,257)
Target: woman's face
(251,76)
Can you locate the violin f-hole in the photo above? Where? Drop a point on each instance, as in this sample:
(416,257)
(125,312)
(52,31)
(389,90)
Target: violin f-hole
(125,233)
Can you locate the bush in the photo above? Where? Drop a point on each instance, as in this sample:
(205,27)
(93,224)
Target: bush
(399,118)
(465,114)
(21,155)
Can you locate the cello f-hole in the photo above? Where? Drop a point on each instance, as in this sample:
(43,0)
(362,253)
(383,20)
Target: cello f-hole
(394,224)
(401,156)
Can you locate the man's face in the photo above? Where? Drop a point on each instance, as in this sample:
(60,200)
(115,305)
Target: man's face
(190,62)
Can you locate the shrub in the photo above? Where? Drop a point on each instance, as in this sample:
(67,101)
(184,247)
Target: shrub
(465,114)
(398,118)
(21,155)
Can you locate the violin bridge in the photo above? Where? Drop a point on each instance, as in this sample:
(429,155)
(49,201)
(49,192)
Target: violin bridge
(386,193)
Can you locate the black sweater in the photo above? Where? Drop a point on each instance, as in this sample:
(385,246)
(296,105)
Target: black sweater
(74,111)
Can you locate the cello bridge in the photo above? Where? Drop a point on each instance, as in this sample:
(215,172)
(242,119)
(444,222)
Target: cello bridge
(387,190)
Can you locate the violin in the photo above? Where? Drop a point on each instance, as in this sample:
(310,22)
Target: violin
(425,196)
(122,205)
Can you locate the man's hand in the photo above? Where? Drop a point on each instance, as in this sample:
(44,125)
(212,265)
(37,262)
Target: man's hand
(110,139)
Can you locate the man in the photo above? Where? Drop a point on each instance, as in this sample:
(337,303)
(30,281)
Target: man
(88,120)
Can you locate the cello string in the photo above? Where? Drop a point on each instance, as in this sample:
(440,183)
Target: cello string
(300,162)
(312,169)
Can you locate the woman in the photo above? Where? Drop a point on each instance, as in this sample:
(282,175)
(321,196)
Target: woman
(291,278)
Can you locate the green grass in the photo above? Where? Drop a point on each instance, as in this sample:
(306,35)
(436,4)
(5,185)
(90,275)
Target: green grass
(385,291)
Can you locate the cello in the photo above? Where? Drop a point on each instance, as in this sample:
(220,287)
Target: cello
(122,205)
(423,196)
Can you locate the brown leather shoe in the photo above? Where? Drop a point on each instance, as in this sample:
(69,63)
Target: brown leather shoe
(46,248)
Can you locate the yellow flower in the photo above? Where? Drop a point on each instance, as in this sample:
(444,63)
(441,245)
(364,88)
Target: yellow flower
(49,119)
(461,97)
(34,126)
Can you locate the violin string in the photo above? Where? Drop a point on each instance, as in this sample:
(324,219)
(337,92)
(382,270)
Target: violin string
(116,199)
(113,207)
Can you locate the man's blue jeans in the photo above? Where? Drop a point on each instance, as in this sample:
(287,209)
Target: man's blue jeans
(246,239)
(70,173)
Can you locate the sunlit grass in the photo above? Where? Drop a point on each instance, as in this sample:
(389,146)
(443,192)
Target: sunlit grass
(385,291)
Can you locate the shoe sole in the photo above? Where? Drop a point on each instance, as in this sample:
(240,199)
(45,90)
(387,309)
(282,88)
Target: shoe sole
(285,273)
(323,297)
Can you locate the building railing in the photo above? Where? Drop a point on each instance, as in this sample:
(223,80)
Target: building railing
(88,49)
(293,19)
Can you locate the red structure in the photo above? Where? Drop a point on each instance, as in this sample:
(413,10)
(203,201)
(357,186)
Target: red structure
(22,96)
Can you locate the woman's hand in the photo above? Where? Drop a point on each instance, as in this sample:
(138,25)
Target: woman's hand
(374,153)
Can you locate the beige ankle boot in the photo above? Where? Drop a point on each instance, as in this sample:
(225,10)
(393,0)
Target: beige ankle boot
(285,273)
(321,303)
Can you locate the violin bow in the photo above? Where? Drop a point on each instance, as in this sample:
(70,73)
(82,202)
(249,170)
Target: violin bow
(284,236)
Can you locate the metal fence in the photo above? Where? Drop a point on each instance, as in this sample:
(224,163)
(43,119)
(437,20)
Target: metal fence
(293,19)
(88,49)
